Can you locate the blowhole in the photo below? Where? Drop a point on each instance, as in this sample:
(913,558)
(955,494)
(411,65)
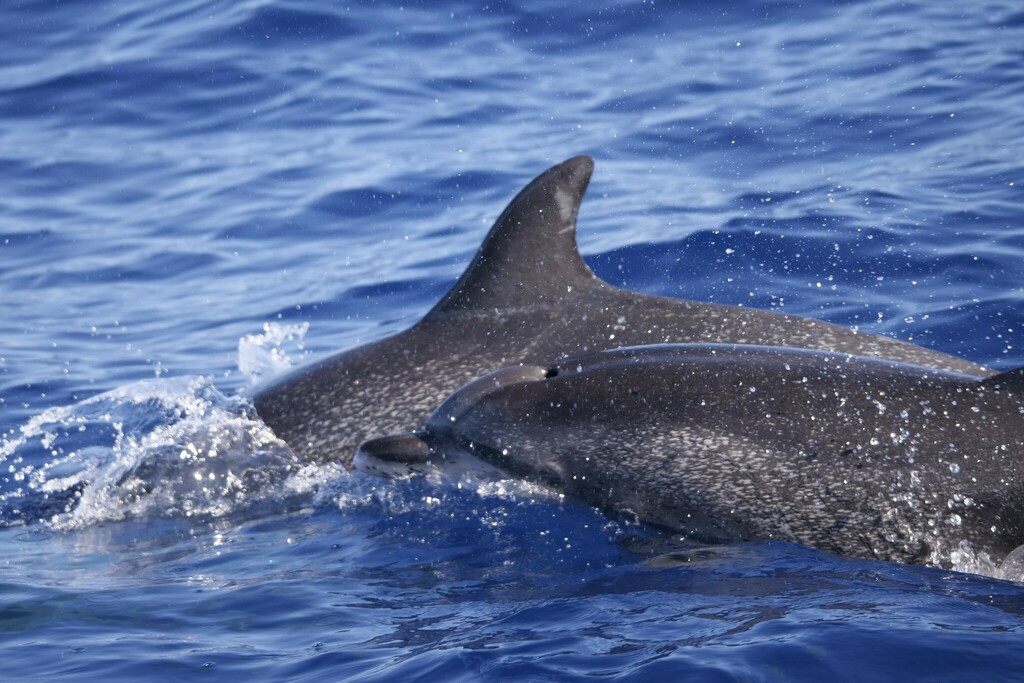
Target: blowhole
(551,372)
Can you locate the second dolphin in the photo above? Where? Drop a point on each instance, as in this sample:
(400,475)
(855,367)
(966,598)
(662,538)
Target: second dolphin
(859,456)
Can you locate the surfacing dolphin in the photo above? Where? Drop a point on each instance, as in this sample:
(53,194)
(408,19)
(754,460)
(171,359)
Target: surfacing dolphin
(854,455)
(527,296)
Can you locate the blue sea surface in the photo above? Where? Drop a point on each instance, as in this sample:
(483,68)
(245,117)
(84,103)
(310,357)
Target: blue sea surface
(200,194)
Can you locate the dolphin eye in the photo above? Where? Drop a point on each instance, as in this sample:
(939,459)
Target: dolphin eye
(551,372)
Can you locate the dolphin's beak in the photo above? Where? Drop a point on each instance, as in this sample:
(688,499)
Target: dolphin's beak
(393,456)
(409,448)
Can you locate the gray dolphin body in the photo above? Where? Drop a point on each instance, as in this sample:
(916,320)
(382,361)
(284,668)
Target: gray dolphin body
(527,296)
(858,456)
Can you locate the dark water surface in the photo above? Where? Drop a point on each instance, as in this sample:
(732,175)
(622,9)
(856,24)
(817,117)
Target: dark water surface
(199,194)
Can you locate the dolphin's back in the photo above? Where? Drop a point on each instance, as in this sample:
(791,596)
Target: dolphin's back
(526,296)
(855,455)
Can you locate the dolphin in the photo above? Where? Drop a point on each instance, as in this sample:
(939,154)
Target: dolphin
(526,296)
(859,456)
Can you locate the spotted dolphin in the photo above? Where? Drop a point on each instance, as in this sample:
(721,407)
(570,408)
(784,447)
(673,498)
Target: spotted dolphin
(526,296)
(854,455)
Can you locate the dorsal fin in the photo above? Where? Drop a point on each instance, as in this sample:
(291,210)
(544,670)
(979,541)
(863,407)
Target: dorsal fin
(1011,379)
(530,254)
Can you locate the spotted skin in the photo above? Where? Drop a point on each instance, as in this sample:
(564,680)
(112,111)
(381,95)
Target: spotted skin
(855,455)
(527,296)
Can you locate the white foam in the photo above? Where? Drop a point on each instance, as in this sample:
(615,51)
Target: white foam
(266,355)
(965,558)
(386,485)
(162,447)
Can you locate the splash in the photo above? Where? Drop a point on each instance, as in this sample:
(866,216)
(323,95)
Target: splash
(261,356)
(966,558)
(457,475)
(163,447)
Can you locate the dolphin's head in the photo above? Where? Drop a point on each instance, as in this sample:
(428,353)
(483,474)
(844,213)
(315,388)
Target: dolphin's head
(446,418)
(496,419)
(399,455)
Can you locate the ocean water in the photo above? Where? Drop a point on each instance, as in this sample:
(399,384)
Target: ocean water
(197,195)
